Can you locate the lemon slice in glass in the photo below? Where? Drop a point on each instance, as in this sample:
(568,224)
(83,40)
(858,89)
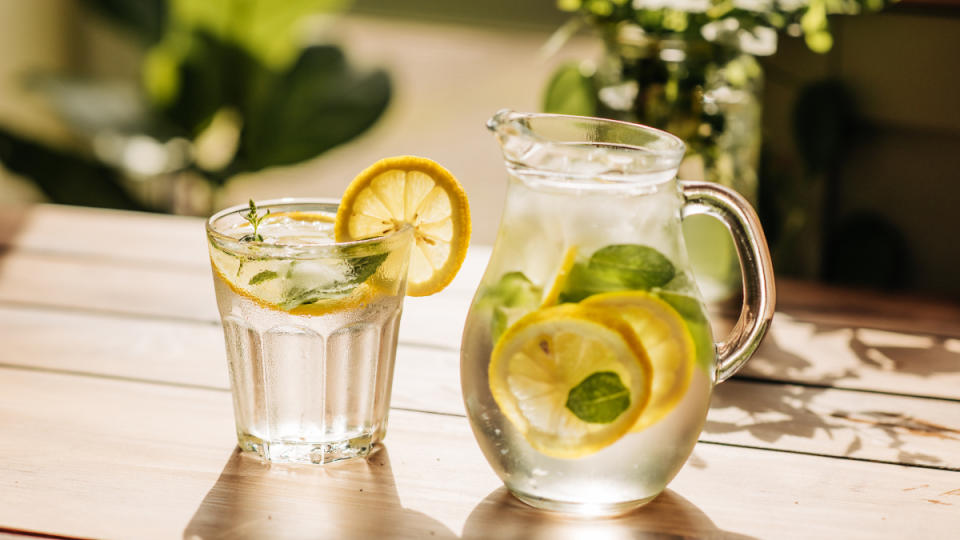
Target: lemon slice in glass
(418,191)
(665,339)
(571,379)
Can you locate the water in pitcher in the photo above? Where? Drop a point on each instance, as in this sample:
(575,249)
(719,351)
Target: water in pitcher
(571,250)
(311,332)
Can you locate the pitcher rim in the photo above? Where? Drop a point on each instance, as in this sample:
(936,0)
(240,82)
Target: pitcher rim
(506,116)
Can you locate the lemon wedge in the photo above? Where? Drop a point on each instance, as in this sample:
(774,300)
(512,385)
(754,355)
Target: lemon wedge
(666,340)
(572,379)
(560,280)
(417,191)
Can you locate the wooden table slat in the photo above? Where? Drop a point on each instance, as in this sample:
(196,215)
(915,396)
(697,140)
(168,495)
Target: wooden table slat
(148,461)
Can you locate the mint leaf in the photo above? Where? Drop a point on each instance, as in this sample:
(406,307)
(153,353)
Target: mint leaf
(514,289)
(499,324)
(687,306)
(298,296)
(617,267)
(308,287)
(512,297)
(635,266)
(599,399)
(697,323)
(364,267)
(583,282)
(266,275)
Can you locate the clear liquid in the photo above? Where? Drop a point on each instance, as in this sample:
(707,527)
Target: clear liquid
(311,382)
(538,228)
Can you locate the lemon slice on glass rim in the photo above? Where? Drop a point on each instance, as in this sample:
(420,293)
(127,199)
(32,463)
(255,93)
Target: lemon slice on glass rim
(420,192)
(572,379)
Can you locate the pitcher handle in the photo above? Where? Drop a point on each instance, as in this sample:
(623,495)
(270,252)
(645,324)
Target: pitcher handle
(759,293)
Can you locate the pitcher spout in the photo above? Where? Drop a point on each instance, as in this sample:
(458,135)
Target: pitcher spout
(583,148)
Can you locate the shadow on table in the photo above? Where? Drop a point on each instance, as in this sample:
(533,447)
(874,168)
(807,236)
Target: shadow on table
(816,357)
(504,517)
(355,499)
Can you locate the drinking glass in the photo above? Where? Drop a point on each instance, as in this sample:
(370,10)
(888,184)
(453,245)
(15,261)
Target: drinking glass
(310,326)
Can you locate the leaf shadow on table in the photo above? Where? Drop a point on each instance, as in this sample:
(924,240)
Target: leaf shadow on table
(784,392)
(354,499)
(502,516)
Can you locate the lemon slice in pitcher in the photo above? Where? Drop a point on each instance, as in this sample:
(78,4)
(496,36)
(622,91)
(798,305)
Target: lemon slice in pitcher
(571,379)
(666,340)
(560,280)
(418,191)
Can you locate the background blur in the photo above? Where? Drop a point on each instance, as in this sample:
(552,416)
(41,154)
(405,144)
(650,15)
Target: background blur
(431,73)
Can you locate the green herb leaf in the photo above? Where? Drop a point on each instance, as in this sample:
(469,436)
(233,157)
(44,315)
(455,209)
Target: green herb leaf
(599,399)
(697,323)
(266,275)
(499,324)
(583,282)
(308,291)
(510,298)
(254,219)
(634,265)
(299,296)
(364,267)
(618,267)
(514,289)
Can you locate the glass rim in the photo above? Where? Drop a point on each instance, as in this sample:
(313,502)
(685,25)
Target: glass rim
(586,153)
(509,116)
(213,234)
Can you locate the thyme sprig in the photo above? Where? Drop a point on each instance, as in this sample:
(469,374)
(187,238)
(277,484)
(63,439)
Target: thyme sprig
(255,219)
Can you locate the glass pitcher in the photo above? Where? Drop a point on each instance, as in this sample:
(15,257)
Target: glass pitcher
(587,359)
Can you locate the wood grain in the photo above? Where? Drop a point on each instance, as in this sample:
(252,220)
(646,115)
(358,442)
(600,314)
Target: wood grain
(845,356)
(147,461)
(116,234)
(166,240)
(752,413)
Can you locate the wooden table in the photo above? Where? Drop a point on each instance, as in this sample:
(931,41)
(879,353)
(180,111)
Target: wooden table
(116,421)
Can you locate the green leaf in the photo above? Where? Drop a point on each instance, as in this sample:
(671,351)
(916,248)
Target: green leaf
(570,92)
(266,275)
(513,289)
(582,283)
(269,30)
(599,399)
(618,267)
(64,177)
(510,298)
(193,75)
(635,266)
(144,19)
(499,324)
(364,267)
(319,103)
(299,296)
(819,42)
(692,312)
(306,291)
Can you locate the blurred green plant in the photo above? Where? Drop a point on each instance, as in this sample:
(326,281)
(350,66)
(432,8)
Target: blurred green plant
(225,87)
(729,22)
